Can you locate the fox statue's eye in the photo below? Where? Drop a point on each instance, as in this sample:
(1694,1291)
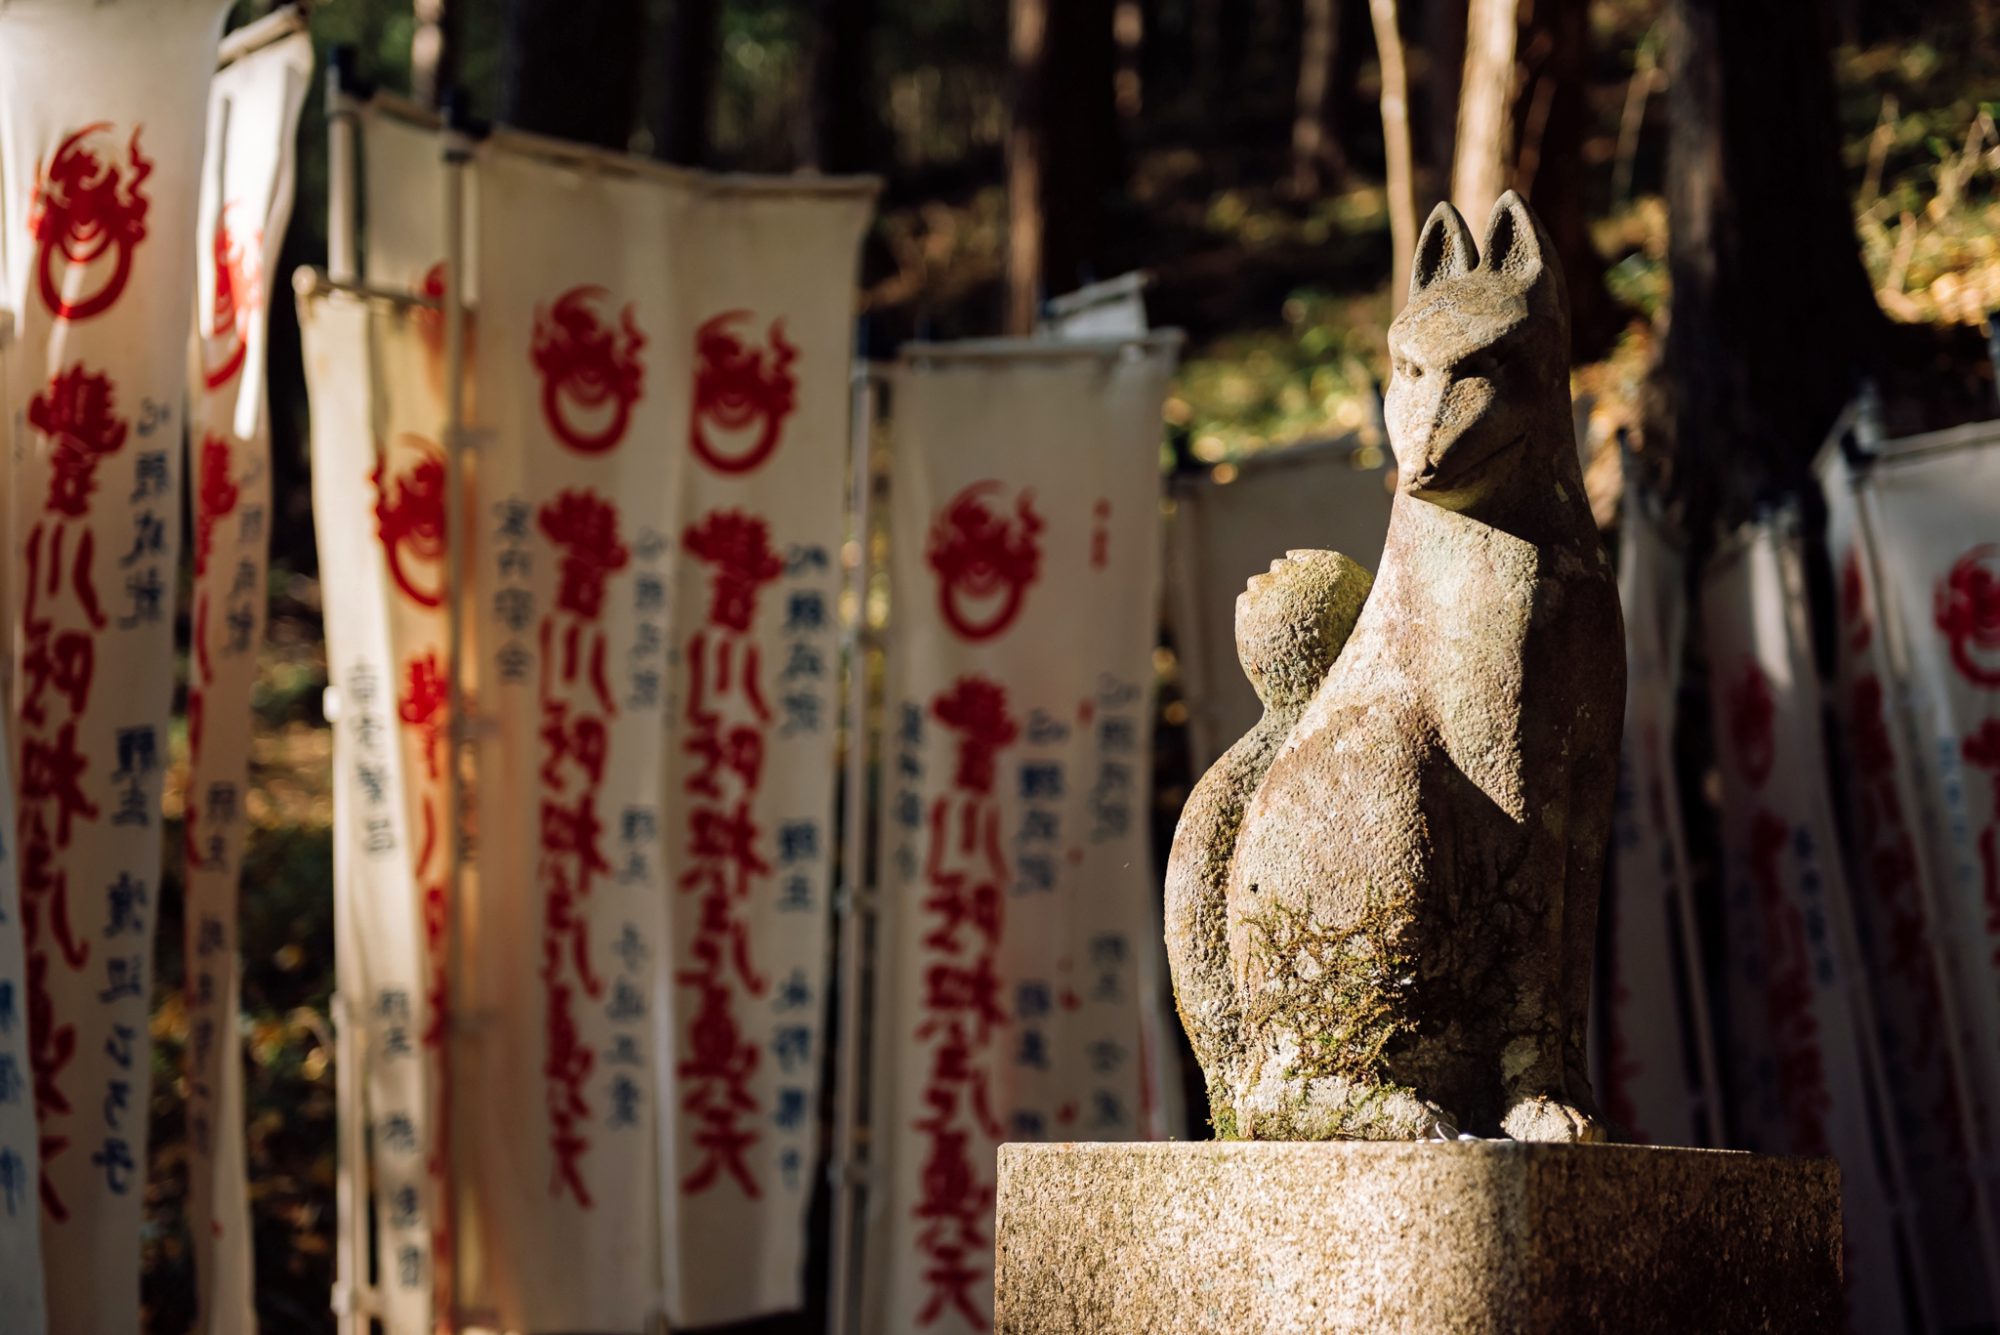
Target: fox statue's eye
(1479,366)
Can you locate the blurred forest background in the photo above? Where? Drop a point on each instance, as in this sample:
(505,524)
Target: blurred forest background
(1761,206)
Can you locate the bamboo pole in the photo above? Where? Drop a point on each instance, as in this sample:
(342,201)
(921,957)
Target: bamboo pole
(457,155)
(342,131)
(856,906)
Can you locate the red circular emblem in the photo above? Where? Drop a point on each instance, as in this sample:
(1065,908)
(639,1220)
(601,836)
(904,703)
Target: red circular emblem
(591,373)
(239,284)
(984,561)
(215,497)
(742,394)
(1968,612)
(410,518)
(87,213)
(1753,716)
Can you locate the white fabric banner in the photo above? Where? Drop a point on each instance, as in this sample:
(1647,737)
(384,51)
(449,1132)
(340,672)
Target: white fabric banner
(757,365)
(568,571)
(100,160)
(1019,904)
(1917,551)
(378,507)
(1222,533)
(1644,1086)
(1793,1040)
(403,185)
(246,201)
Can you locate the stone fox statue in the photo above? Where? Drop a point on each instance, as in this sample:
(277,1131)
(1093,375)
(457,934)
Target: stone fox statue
(1410,900)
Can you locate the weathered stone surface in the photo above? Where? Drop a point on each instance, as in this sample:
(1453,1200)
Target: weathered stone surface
(1410,899)
(1469,1236)
(1290,625)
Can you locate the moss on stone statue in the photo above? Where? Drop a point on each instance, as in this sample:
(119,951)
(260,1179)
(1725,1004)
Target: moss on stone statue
(1343,992)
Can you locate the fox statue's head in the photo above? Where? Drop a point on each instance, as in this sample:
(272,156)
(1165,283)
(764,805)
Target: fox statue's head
(1480,356)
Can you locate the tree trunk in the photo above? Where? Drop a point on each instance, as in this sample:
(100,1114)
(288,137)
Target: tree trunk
(1210,63)
(1443,27)
(1485,158)
(1772,320)
(1128,27)
(570,68)
(687,69)
(433,47)
(842,132)
(1062,149)
(1554,113)
(1316,156)
(1400,172)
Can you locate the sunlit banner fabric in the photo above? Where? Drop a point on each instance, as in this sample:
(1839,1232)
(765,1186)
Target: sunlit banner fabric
(378,507)
(403,170)
(1019,907)
(100,163)
(1915,542)
(1793,1036)
(246,199)
(1643,1085)
(567,596)
(755,373)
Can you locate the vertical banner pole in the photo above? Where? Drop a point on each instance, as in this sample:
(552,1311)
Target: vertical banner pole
(1693,966)
(350,1195)
(855,904)
(457,153)
(342,131)
(348,1222)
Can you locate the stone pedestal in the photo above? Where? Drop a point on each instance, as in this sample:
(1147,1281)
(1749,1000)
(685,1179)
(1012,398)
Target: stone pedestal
(1301,1238)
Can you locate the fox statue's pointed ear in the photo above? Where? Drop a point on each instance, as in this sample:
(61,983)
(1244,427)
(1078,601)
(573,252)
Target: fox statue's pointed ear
(1444,249)
(1516,247)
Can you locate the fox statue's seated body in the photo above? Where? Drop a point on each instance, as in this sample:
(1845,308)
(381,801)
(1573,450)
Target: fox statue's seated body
(1407,914)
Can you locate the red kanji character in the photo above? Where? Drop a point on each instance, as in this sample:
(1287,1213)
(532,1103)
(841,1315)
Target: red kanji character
(738,546)
(66,663)
(728,837)
(422,706)
(739,750)
(585,526)
(582,739)
(976,708)
(50,772)
(215,497)
(76,413)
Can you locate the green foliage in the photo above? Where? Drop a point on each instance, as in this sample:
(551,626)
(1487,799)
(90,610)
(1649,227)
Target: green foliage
(1312,376)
